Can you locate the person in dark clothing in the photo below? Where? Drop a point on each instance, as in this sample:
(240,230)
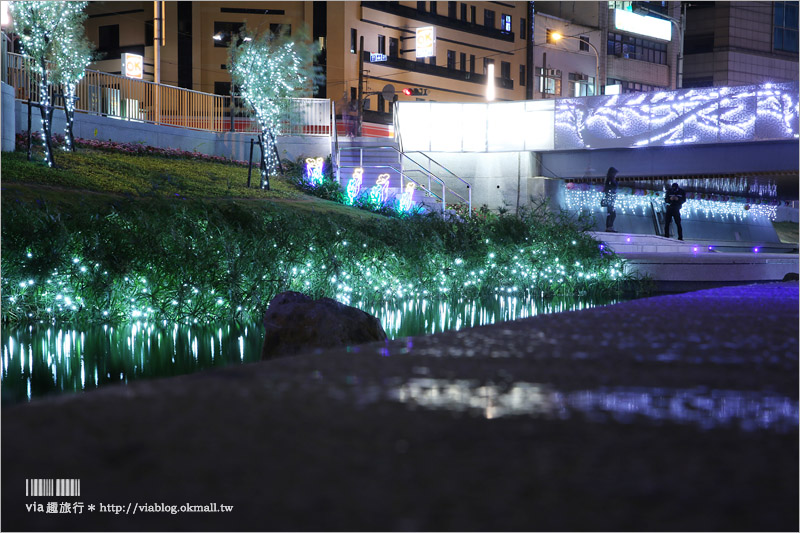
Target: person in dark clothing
(610,198)
(674,199)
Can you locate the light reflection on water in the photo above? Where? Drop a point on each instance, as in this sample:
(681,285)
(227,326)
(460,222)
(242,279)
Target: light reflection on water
(41,359)
(707,409)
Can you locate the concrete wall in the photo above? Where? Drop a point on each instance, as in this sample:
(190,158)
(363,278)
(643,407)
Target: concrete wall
(8,118)
(499,180)
(676,160)
(232,145)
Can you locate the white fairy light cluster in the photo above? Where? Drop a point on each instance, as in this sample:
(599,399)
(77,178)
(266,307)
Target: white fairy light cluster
(637,202)
(362,274)
(72,55)
(268,69)
(47,32)
(688,116)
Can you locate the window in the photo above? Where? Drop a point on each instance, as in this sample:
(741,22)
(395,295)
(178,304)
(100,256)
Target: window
(432,60)
(549,81)
(222,88)
(381,44)
(451,9)
(353,41)
(505,70)
(488,18)
(223,32)
(505,23)
(472,63)
(473,12)
(393,45)
(636,87)
(109,38)
(463,12)
(523,29)
(148,32)
(705,81)
(629,47)
(584,43)
(433,8)
(278,28)
(522,75)
(486,62)
(785,26)
(353,94)
(421,7)
(381,104)
(581,84)
(463,62)
(451,59)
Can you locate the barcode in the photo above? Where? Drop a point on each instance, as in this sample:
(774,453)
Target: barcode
(52,487)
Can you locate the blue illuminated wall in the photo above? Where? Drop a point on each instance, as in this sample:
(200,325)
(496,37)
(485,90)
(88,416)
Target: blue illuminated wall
(690,116)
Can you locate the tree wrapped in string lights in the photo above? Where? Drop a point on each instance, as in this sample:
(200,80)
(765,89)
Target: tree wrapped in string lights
(269,69)
(71,55)
(40,26)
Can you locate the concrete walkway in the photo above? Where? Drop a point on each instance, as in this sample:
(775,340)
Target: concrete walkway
(679,266)
(669,413)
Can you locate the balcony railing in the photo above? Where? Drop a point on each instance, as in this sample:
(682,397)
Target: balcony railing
(100,93)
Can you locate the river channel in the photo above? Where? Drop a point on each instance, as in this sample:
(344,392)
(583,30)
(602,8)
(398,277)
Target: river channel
(44,359)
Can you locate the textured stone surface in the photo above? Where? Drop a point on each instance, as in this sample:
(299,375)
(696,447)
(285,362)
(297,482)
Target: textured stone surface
(295,323)
(671,413)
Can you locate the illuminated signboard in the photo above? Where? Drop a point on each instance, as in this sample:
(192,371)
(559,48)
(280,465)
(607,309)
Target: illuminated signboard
(132,65)
(649,26)
(375,58)
(426,41)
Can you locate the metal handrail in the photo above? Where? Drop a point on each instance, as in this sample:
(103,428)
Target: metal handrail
(431,160)
(406,176)
(430,175)
(335,159)
(101,93)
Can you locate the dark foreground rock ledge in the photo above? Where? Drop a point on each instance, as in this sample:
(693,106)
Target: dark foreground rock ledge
(296,323)
(670,413)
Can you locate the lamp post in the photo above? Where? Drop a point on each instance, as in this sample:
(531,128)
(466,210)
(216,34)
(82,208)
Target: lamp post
(680,26)
(557,36)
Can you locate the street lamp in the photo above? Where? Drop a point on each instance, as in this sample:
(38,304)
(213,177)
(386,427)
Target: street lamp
(557,36)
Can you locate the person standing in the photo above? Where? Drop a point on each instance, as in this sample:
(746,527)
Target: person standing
(674,199)
(610,198)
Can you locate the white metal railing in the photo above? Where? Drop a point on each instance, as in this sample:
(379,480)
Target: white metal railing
(100,93)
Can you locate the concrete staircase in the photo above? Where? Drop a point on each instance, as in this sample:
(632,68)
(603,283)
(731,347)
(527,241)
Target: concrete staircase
(382,156)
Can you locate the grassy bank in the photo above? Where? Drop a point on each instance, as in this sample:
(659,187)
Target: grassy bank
(113,237)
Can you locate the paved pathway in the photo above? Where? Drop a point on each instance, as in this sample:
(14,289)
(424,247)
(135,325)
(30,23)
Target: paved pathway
(671,413)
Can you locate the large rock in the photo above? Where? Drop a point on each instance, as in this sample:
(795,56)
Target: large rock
(294,323)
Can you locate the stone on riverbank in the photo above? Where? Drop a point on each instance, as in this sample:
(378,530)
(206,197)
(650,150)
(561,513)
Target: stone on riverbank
(296,323)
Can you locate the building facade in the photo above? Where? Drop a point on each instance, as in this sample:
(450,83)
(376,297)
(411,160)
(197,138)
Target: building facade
(725,43)
(741,43)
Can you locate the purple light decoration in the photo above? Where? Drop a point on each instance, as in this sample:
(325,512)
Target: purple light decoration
(628,239)
(602,246)
(695,249)
(710,248)
(755,250)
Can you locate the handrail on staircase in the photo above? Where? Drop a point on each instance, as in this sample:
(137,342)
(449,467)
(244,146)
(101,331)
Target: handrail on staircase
(422,169)
(431,160)
(402,174)
(335,156)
